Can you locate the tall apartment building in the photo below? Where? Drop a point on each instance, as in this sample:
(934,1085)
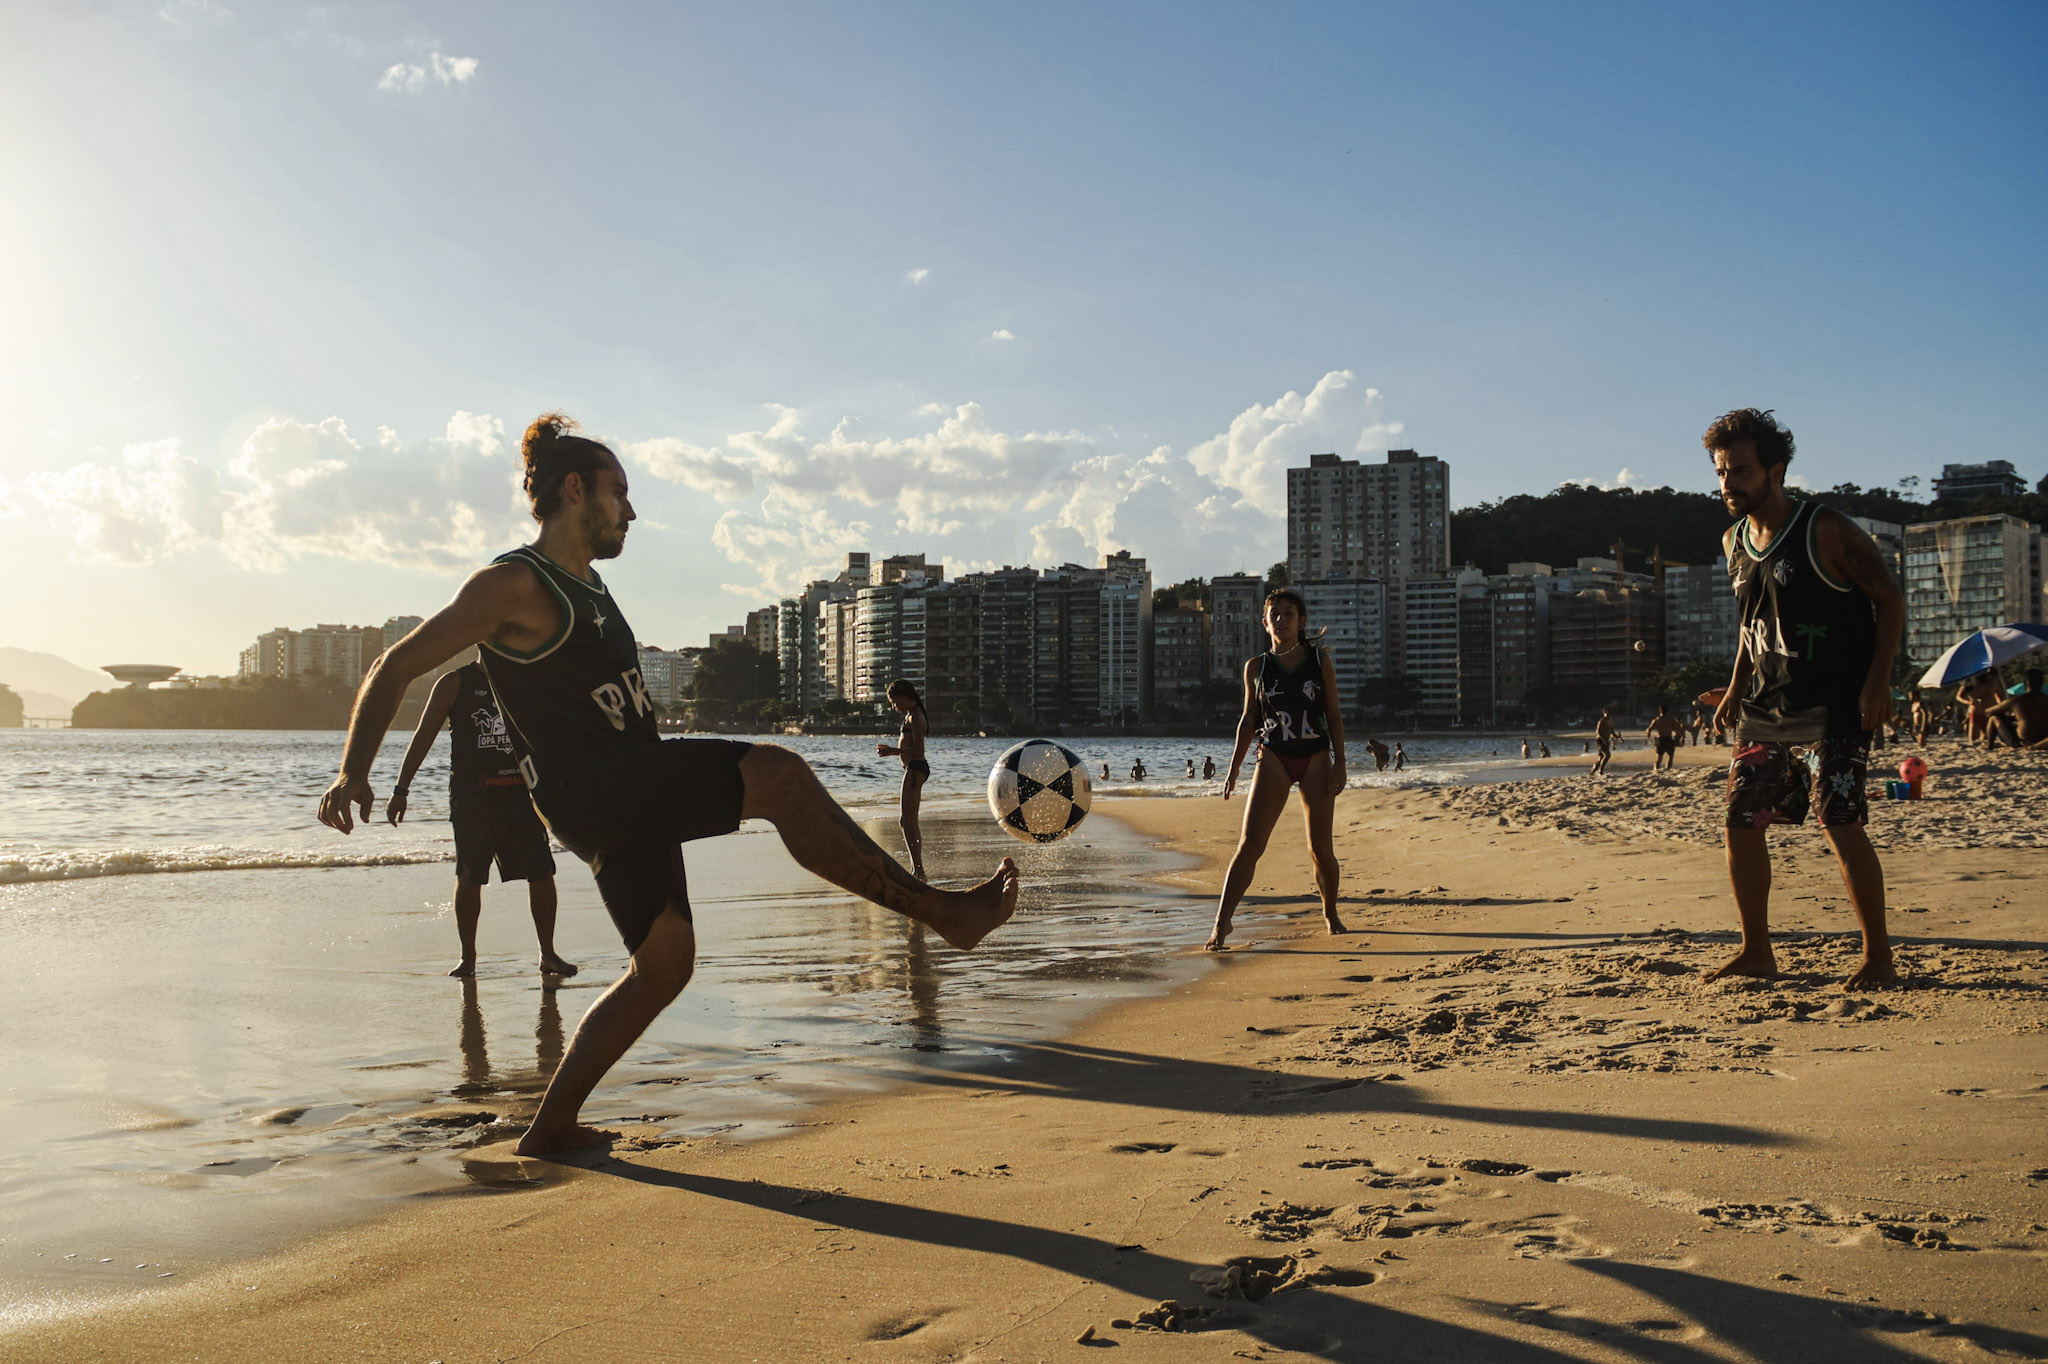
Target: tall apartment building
(1700,621)
(800,667)
(1009,659)
(856,573)
(1968,482)
(1430,607)
(1180,661)
(1066,639)
(952,653)
(1124,691)
(1478,696)
(1519,602)
(760,630)
(660,672)
(1596,620)
(1965,574)
(335,654)
(888,638)
(908,567)
(398,627)
(1237,627)
(1351,613)
(836,652)
(1388,521)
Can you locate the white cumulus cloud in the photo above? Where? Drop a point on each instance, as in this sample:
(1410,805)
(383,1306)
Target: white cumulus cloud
(919,275)
(411,77)
(975,496)
(1002,334)
(705,471)
(294,489)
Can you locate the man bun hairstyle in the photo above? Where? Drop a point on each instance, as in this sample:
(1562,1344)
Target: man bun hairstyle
(1757,429)
(552,451)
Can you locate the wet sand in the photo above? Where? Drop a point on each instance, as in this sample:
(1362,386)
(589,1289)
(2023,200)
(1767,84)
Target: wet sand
(1505,1119)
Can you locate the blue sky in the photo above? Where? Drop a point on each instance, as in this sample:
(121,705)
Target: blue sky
(1001,283)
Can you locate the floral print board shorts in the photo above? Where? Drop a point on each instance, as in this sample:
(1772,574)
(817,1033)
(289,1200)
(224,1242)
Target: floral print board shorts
(1771,784)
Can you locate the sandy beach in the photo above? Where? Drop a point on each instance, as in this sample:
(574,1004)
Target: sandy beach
(1502,1119)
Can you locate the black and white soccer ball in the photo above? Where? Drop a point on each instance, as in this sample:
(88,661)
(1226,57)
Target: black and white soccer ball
(1039,791)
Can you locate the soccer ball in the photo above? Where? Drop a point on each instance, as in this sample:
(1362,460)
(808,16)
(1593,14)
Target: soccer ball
(1039,791)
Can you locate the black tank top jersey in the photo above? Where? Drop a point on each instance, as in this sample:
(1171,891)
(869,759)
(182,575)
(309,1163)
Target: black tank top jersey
(1809,637)
(483,771)
(1291,716)
(577,699)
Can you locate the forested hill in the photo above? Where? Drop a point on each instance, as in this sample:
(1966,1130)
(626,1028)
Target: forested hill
(1576,521)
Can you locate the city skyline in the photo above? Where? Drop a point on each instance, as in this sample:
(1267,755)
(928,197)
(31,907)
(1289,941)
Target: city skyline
(287,281)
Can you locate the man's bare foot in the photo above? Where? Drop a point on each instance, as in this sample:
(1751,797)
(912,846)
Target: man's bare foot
(465,970)
(1217,935)
(1333,923)
(976,913)
(1873,975)
(1762,964)
(573,1137)
(553,965)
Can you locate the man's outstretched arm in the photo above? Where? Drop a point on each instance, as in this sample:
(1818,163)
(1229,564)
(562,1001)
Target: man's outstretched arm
(504,602)
(435,714)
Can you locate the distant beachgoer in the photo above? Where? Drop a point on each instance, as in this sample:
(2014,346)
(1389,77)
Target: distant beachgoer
(1820,618)
(1603,735)
(1543,749)
(1400,758)
(1138,770)
(1191,769)
(1105,771)
(1379,754)
(1585,746)
(1208,768)
(1291,708)
(2026,712)
(1695,722)
(1664,734)
(1525,750)
(562,663)
(1980,694)
(488,808)
(909,746)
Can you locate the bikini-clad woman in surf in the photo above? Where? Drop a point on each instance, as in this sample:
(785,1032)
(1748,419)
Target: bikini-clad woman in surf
(909,746)
(1291,708)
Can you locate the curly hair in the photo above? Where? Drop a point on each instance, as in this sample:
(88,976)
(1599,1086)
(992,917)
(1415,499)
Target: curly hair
(552,451)
(1757,429)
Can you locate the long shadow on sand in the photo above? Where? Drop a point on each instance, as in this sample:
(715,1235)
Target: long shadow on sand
(1310,1321)
(1069,1070)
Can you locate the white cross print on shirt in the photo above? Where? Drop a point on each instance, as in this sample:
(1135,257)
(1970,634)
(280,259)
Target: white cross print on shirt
(597,619)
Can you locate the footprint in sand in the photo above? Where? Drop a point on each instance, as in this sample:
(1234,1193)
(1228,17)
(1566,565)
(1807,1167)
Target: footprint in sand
(1142,1148)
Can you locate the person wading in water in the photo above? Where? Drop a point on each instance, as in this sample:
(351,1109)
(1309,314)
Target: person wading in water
(1290,707)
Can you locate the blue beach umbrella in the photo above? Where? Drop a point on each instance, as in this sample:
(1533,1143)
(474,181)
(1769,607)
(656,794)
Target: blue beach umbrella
(1983,650)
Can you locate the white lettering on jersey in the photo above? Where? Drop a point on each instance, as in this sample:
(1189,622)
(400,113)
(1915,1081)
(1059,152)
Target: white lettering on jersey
(527,770)
(490,729)
(1762,637)
(641,703)
(612,702)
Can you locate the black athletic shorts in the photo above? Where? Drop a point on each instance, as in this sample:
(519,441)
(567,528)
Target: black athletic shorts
(630,820)
(518,843)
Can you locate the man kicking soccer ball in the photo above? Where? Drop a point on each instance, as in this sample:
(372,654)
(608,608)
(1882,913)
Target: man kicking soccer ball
(565,668)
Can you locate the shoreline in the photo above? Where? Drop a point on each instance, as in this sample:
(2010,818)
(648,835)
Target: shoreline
(1502,1120)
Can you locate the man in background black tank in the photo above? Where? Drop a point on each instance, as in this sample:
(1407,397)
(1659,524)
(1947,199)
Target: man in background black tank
(564,667)
(488,806)
(1820,616)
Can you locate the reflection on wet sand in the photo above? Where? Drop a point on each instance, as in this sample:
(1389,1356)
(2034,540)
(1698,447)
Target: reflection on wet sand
(477,1079)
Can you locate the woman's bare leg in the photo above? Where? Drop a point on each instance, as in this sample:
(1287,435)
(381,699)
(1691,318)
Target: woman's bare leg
(913,836)
(1262,807)
(1319,806)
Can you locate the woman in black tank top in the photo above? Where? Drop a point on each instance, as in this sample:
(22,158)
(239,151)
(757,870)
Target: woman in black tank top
(909,746)
(1291,708)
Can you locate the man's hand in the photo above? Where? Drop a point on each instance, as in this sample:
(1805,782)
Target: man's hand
(1337,770)
(1229,783)
(394,809)
(345,792)
(1876,703)
(1727,712)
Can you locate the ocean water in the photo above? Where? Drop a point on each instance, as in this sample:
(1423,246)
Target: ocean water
(228,1026)
(92,803)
